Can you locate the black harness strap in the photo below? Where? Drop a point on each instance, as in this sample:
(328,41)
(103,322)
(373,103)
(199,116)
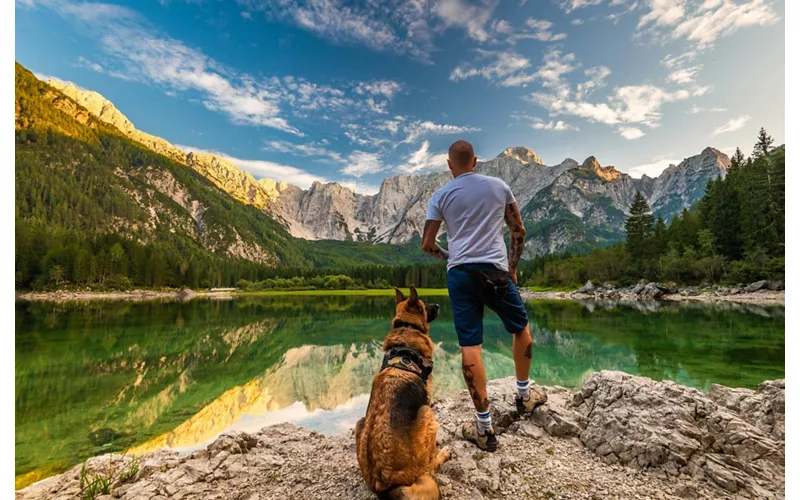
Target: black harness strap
(408,359)
(402,324)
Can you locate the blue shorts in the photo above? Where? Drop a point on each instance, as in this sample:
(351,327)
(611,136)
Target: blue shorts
(467,300)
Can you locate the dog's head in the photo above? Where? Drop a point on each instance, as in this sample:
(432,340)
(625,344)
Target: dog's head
(413,310)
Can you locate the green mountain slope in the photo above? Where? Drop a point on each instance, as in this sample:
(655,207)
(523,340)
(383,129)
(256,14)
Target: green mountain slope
(92,206)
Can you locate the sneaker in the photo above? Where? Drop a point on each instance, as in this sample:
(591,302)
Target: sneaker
(486,441)
(537,397)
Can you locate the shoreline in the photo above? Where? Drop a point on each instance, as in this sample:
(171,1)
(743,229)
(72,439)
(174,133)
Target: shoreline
(61,296)
(618,436)
(761,297)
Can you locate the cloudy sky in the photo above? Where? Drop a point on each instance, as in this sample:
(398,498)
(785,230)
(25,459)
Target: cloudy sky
(305,90)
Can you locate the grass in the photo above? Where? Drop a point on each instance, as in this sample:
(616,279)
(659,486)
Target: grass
(95,485)
(429,292)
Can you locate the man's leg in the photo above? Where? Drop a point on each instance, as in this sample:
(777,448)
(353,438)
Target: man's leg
(522,349)
(512,312)
(480,431)
(475,377)
(467,306)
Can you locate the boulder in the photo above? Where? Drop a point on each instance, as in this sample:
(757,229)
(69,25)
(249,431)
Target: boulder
(651,291)
(756,286)
(776,285)
(668,288)
(587,288)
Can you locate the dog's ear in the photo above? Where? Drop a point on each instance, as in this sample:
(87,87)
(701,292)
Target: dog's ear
(398,296)
(413,297)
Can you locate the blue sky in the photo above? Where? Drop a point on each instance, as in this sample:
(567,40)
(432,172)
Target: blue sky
(305,90)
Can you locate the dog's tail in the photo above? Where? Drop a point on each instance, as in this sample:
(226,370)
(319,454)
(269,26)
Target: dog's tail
(424,488)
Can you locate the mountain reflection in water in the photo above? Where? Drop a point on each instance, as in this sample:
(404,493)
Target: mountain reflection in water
(99,377)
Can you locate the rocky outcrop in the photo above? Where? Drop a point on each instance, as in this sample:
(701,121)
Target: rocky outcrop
(760,291)
(680,185)
(619,436)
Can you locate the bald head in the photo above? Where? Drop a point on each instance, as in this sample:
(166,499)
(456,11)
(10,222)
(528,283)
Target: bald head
(461,155)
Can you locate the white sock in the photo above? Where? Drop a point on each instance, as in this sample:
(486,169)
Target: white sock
(523,388)
(484,421)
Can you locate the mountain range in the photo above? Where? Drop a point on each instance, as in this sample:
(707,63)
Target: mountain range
(568,206)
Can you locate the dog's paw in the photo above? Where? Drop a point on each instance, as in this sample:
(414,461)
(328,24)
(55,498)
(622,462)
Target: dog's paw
(444,455)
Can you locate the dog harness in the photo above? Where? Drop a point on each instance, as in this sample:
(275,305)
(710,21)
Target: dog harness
(408,359)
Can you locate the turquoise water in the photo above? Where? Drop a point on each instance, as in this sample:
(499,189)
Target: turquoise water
(99,377)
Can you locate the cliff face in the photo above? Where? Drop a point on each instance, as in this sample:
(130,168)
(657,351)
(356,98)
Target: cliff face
(566,205)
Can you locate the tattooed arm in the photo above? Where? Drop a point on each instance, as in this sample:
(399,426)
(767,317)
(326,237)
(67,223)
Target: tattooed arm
(429,245)
(514,223)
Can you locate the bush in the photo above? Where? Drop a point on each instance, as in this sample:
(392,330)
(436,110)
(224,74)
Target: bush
(119,282)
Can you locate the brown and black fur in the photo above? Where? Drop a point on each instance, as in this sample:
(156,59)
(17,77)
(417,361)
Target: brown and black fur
(396,440)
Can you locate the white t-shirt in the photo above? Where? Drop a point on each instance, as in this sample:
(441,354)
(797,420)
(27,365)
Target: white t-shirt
(472,207)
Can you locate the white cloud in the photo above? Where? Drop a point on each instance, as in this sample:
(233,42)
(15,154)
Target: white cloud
(707,22)
(654,168)
(557,126)
(85,63)
(419,129)
(535,29)
(385,88)
(631,133)
(683,76)
(151,57)
(423,160)
(360,187)
(308,149)
(509,69)
(406,28)
(663,13)
(570,5)
(44,77)
(381,25)
(137,52)
(361,163)
(576,22)
(697,109)
(633,104)
(671,61)
(473,17)
(265,169)
(597,79)
(730,126)
(504,65)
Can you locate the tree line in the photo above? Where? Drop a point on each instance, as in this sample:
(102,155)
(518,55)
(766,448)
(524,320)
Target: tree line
(733,234)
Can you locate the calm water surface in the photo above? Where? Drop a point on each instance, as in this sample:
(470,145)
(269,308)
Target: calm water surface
(100,377)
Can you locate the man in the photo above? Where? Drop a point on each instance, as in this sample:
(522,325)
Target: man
(481,273)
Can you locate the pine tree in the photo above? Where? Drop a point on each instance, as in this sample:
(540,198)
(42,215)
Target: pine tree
(763,145)
(738,159)
(639,229)
(660,238)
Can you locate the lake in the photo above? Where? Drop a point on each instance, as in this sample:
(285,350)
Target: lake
(113,376)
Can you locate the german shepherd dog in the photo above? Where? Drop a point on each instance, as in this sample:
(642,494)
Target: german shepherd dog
(396,440)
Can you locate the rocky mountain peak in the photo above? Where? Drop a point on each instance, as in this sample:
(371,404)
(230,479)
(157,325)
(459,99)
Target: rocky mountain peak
(608,173)
(522,154)
(95,104)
